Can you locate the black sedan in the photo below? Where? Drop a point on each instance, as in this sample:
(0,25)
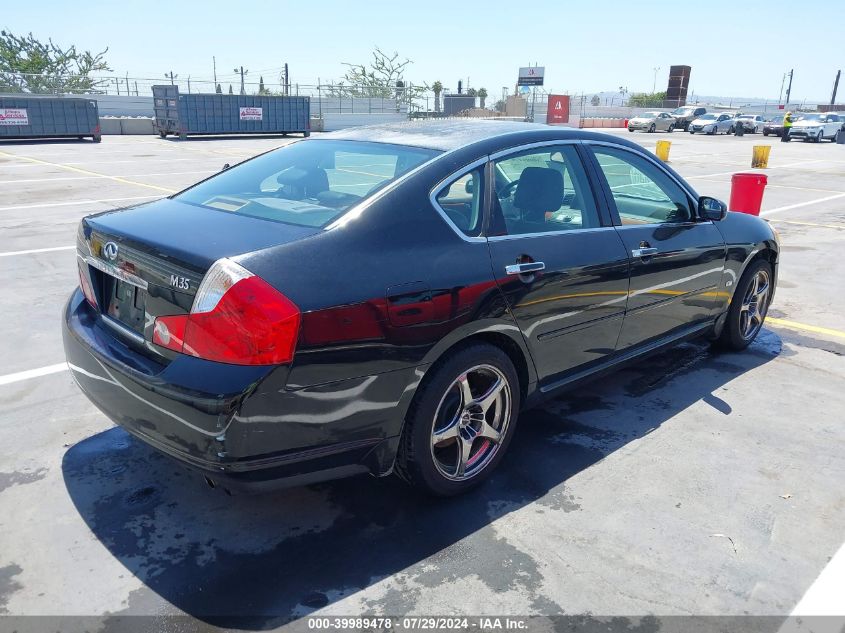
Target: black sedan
(388,299)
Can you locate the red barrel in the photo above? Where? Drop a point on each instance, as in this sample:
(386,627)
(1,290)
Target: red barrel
(747,193)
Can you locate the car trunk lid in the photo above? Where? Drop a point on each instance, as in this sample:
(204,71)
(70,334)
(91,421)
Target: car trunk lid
(148,261)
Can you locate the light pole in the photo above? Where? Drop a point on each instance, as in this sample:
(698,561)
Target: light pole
(242,72)
(654,84)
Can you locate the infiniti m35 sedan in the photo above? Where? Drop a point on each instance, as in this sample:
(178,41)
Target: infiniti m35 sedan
(388,299)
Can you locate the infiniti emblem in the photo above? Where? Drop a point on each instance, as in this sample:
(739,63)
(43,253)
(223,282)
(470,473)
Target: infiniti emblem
(110,251)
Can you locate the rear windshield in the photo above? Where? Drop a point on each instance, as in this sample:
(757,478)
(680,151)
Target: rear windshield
(308,183)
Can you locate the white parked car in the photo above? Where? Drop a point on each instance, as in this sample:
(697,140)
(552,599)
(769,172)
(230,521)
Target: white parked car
(713,123)
(652,121)
(816,127)
(751,122)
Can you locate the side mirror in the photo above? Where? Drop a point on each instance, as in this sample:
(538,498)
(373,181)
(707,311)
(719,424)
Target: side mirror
(711,209)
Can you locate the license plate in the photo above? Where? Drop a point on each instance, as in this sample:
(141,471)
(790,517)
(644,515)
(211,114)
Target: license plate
(126,303)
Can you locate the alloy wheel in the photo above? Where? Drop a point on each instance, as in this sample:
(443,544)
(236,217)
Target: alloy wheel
(471,422)
(754,305)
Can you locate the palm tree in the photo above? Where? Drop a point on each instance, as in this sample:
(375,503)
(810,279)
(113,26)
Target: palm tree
(437,88)
(482,95)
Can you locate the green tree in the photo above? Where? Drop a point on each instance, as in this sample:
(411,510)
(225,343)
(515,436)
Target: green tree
(500,106)
(472,92)
(29,65)
(482,95)
(596,100)
(230,90)
(647,100)
(261,89)
(437,88)
(218,90)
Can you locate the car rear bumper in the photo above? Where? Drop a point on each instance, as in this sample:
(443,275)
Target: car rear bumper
(239,426)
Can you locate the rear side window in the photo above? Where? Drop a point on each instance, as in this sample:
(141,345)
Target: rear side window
(308,183)
(540,191)
(460,201)
(642,192)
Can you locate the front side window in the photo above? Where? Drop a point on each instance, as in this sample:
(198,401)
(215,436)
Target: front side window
(542,190)
(308,183)
(460,201)
(642,192)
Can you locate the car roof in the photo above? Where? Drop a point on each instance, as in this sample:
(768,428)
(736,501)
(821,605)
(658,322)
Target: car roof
(450,134)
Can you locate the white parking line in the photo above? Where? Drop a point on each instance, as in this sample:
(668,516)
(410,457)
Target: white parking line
(32,373)
(75,202)
(36,250)
(172,173)
(802,204)
(824,597)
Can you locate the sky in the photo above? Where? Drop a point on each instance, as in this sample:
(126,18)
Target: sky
(585,46)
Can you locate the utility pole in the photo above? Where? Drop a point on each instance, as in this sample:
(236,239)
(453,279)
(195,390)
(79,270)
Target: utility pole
(835,88)
(287,81)
(171,77)
(789,89)
(654,85)
(242,72)
(214,62)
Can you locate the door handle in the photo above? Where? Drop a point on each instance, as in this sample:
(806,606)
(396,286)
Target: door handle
(525,268)
(644,252)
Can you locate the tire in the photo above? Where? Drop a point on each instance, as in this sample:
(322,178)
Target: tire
(162,134)
(97,138)
(440,405)
(630,129)
(765,133)
(692,131)
(651,129)
(755,130)
(731,130)
(671,128)
(818,138)
(738,332)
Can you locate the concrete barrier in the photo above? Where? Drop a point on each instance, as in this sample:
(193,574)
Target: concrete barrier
(138,126)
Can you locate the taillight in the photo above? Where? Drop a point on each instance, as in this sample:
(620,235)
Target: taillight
(85,283)
(236,318)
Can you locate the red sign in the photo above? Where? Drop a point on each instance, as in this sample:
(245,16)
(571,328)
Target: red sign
(558,109)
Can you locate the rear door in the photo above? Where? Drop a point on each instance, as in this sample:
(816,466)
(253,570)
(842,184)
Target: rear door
(561,266)
(677,262)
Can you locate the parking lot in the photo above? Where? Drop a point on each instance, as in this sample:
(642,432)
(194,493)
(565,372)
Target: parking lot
(693,483)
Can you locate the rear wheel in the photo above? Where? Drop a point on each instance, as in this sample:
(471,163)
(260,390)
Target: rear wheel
(748,307)
(651,128)
(765,133)
(671,127)
(460,422)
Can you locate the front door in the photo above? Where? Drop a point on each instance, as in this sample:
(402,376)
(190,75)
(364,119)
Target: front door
(677,261)
(562,267)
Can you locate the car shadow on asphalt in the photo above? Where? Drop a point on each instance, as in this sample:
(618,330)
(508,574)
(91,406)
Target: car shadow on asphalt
(256,562)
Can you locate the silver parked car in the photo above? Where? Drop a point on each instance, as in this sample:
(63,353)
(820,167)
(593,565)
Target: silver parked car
(713,123)
(751,122)
(652,122)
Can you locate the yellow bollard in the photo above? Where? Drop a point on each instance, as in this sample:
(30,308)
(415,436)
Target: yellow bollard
(760,157)
(663,150)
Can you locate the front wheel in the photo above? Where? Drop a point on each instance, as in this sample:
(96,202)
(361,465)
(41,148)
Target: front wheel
(651,128)
(748,307)
(460,422)
(671,128)
(819,138)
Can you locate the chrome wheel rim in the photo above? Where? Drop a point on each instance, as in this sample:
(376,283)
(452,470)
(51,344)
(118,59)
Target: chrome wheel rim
(752,312)
(471,422)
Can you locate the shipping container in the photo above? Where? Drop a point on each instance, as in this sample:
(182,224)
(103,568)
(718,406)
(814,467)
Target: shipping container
(184,114)
(48,117)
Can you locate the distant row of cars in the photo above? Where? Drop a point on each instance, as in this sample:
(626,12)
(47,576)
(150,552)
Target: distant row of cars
(695,119)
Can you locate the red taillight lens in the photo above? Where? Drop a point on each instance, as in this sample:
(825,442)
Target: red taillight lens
(85,284)
(247,322)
